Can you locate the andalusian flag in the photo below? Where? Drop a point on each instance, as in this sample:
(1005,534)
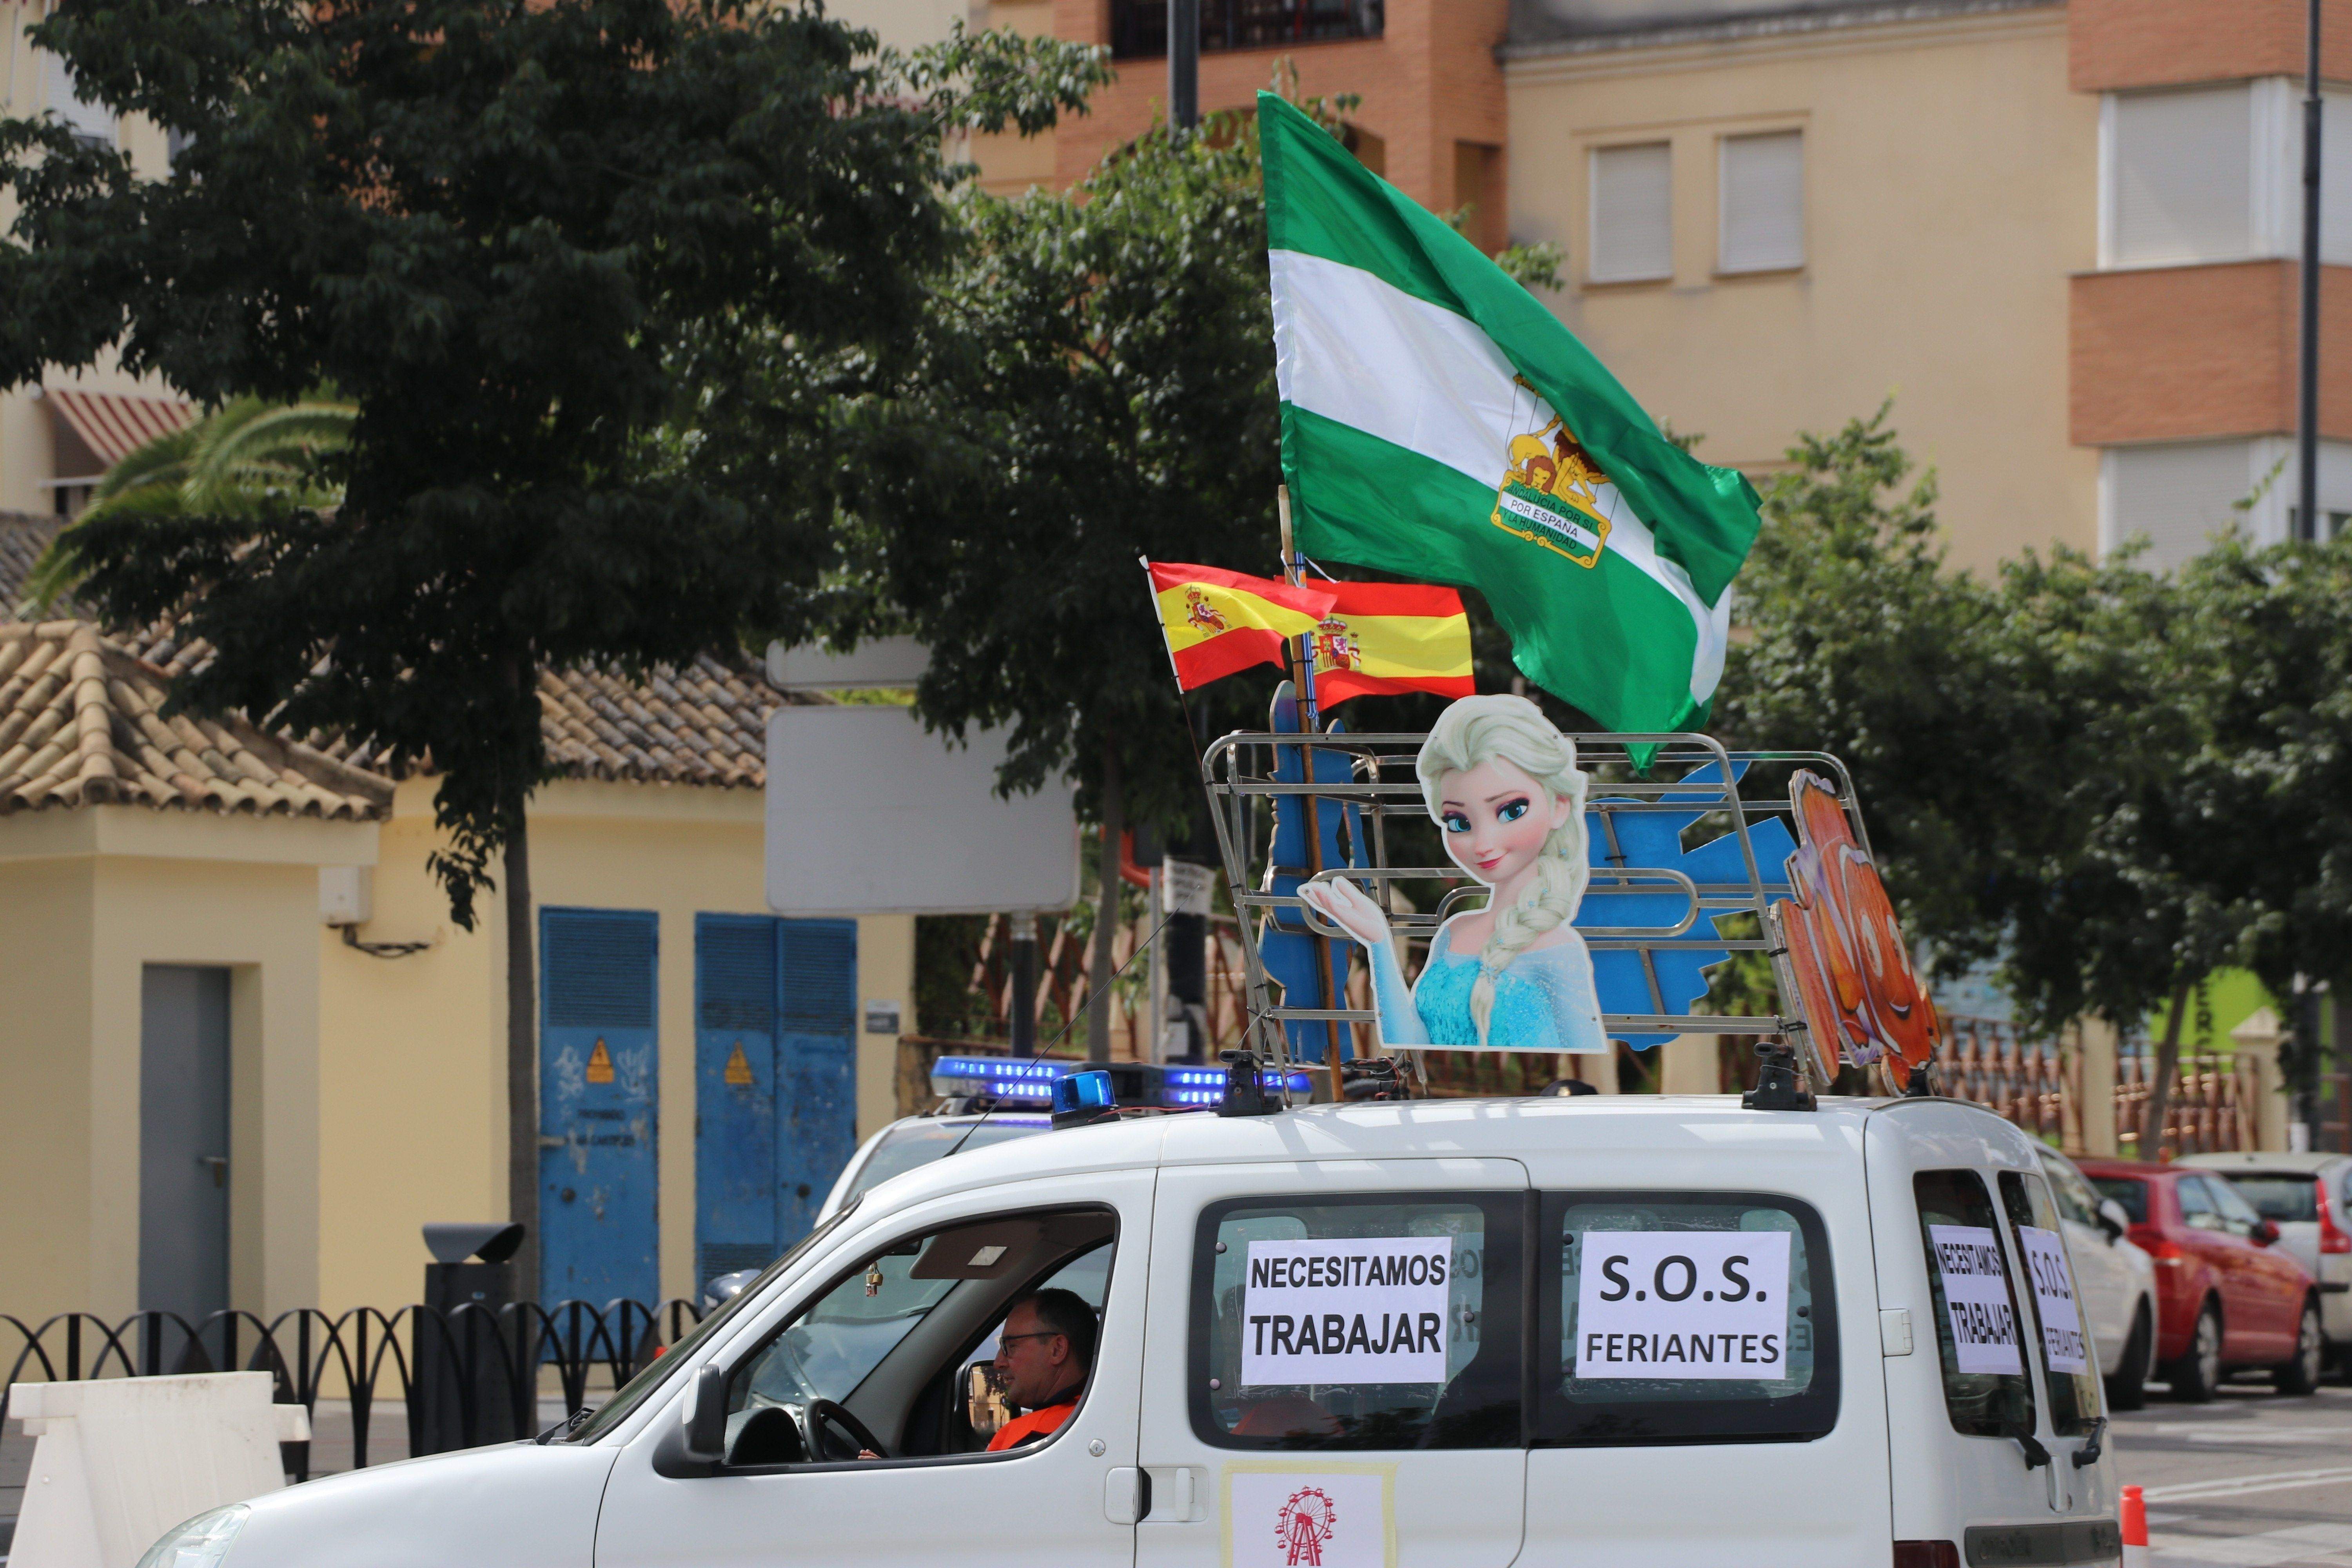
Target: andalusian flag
(1438,422)
(1218,622)
(1388,638)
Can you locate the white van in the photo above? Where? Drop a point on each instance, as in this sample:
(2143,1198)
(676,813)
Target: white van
(1613,1332)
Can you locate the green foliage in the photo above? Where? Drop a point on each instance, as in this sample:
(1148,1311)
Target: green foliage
(503,228)
(2113,780)
(240,460)
(1536,265)
(1097,385)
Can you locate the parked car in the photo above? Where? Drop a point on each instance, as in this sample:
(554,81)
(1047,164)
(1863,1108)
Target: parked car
(2227,1299)
(2115,1278)
(2309,1198)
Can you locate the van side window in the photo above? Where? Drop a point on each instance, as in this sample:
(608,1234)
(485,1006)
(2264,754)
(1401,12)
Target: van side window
(901,1341)
(1685,1317)
(2070,1369)
(1383,1322)
(1987,1392)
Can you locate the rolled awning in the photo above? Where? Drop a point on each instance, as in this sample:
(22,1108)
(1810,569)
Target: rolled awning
(114,423)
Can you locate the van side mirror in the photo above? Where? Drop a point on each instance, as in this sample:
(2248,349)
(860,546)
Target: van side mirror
(2112,1219)
(706,1424)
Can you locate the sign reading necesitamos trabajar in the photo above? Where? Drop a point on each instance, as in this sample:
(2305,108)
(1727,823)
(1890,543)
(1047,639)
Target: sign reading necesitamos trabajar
(1976,1298)
(1679,1303)
(1359,1310)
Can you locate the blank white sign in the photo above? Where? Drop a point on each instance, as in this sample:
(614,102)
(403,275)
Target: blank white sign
(869,814)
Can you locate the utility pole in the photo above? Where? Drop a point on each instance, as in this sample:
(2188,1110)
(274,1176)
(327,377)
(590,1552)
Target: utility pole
(2307,456)
(1184,63)
(1022,929)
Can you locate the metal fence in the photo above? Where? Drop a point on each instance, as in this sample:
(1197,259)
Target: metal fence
(462,1377)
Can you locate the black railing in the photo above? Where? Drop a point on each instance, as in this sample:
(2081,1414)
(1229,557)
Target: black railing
(463,1377)
(1138,28)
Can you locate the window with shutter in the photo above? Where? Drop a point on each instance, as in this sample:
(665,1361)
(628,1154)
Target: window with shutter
(61,97)
(1632,213)
(1762,181)
(2180,177)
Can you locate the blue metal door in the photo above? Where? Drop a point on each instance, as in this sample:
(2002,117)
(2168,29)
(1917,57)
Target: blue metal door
(598,1053)
(816,1066)
(735,1094)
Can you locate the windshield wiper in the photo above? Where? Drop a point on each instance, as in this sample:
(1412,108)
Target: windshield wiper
(2088,1453)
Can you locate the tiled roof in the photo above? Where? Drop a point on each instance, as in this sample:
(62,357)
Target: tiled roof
(80,725)
(704,724)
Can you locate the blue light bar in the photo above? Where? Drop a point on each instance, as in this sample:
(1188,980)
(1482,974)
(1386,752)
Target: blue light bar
(1039,1082)
(1013,1080)
(1081,1094)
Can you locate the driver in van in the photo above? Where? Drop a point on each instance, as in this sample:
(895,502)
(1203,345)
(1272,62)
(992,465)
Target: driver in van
(1042,1359)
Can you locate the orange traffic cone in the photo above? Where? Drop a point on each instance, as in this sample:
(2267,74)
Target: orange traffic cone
(2134,1529)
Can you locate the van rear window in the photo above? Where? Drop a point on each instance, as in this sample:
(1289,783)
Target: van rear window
(1679,1317)
(2289,1200)
(1979,1334)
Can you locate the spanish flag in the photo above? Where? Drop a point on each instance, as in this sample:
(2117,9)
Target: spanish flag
(1388,638)
(1218,622)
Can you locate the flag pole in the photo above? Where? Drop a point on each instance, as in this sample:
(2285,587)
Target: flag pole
(1294,572)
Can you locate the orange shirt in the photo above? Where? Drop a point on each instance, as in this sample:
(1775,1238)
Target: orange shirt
(1037,1424)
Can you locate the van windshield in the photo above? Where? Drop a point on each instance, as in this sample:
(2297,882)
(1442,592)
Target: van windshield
(591,1424)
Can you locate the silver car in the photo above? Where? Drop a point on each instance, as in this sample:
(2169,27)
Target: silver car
(2309,1198)
(2114,1278)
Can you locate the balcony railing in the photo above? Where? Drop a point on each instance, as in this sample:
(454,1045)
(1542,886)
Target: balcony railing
(1138,28)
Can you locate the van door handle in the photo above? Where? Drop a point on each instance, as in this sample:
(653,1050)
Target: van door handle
(1126,1494)
(219,1165)
(1176,1494)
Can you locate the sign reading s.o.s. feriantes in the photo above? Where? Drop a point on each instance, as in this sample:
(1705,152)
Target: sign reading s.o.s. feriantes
(1359,1310)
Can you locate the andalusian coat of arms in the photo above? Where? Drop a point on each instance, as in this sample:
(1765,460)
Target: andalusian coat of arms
(1550,493)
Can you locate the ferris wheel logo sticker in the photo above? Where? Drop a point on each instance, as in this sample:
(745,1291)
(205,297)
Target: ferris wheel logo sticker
(1302,1526)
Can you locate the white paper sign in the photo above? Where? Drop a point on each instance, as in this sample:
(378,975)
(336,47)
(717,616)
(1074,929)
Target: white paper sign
(2063,1347)
(1976,1298)
(1682,1303)
(1296,1520)
(1363,1310)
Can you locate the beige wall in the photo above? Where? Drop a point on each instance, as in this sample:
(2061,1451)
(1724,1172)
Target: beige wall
(1950,190)
(91,897)
(414,1099)
(26,451)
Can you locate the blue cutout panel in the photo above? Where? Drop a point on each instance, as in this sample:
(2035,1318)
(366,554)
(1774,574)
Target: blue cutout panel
(1655,838)
(1286,947)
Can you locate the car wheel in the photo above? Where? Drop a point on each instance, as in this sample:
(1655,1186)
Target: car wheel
(2198,1373)
(2127,1390)
(2300,1374)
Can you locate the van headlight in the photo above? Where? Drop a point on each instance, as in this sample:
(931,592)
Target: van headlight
(202,1542)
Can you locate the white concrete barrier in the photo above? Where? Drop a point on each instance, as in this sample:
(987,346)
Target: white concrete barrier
(120,1460)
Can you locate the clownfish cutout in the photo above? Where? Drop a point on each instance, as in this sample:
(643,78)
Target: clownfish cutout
(1863,1001)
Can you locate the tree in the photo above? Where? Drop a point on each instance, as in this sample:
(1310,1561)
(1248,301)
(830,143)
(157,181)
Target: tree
(1097,385)
(498,226)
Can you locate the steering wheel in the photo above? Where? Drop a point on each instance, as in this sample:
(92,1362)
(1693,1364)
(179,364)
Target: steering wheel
(821,1411)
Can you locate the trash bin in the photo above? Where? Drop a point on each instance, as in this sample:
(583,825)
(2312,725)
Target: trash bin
(462,1358)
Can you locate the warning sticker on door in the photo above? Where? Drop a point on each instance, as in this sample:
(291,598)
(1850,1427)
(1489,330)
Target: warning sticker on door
(1365,1309)
(1976,1298)
(1682,1303)
(2063,1348)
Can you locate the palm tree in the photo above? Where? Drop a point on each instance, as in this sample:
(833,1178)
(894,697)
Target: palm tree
(247,454)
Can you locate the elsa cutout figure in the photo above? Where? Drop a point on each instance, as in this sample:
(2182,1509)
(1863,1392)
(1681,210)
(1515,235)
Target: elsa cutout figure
(1504,786)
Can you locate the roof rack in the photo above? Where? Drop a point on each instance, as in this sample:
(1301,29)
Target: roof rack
(1702,835)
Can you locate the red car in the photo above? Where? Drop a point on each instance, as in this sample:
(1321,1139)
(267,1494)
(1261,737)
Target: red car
(2225,1297)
